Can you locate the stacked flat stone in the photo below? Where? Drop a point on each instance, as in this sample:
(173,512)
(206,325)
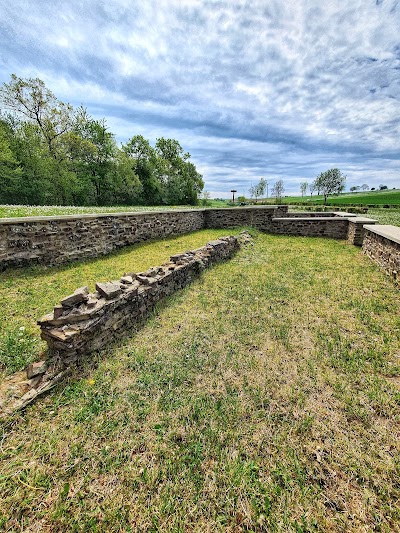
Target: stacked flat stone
(85,322)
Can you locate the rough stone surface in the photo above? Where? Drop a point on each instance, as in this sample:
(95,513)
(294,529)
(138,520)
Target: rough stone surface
(36,369)
(384,250)
(82,331)
(332,227)
(356,232)
(80,295)
(55,240)
(259,217)
(109,290)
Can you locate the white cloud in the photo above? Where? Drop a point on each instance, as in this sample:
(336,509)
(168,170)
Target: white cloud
(305,83)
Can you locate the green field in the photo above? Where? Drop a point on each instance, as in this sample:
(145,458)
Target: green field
(359,198)
(263,397)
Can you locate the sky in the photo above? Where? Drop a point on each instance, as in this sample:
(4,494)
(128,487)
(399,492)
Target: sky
(252,89)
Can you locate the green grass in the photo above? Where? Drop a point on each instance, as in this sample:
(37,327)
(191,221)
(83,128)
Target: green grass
(263,397)
(381,215)
(385,216)
(27,294)
(391,197)
(11,211)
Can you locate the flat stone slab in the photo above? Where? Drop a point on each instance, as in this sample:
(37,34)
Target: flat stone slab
(361,220)
(79,296)
(389,232)
(108,290)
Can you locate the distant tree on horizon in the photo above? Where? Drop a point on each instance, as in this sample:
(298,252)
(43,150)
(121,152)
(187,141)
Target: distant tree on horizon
(330,182)
(303,188)
(277,190)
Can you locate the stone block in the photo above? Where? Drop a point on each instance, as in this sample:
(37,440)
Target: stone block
(35,369)
(108,290)
(79,295)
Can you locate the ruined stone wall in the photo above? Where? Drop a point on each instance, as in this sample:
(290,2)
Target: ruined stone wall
(259,217)
(86,322)
(382,245)
(332,227)
(56,240)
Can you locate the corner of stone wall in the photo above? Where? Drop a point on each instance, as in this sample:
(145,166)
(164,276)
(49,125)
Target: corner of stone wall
(355,229)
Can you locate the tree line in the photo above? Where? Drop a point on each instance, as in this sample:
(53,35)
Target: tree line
(51,153)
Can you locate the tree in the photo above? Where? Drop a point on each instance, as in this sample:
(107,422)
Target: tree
(383,187)
(365,187)
(180,180)
(312,187)
(303,188)
(355,188)
(144,161)
(330,182)
(10,170)
(205,198)
(277,190)
(53,153)
(31,100)
(259,189)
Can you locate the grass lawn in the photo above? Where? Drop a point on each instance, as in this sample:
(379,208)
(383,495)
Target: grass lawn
(11,211)
(385,216)
(264,397)
(391,197)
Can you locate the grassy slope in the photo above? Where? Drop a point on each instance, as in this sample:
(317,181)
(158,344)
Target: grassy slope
(264,397)
(372,197)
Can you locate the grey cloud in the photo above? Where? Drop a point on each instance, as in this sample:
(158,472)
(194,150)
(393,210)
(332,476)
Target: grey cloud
(251,88)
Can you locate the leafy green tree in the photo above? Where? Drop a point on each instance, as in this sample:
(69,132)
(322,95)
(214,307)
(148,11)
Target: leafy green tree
(30,100)
(330,182)
(180,180)
(144,163)
(10,169)
(51,153)
(277,190)
(258,190)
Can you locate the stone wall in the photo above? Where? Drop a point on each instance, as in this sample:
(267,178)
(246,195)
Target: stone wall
(333,227)
(382,245)
(356,231)
(86,322)
(257,217)
(56,240)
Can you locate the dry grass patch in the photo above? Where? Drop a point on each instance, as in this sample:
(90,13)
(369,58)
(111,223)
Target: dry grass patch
(260,398)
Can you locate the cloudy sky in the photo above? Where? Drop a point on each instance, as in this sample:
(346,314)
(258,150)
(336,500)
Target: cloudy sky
(281,90)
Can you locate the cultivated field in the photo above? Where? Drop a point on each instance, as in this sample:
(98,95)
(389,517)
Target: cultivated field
(391,197)
(264,397)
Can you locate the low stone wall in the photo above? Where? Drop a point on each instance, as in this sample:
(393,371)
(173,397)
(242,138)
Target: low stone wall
(310,214)
(256,217)
(382,245)
(333,227)
(356,231)
(86,322)
(56,240)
